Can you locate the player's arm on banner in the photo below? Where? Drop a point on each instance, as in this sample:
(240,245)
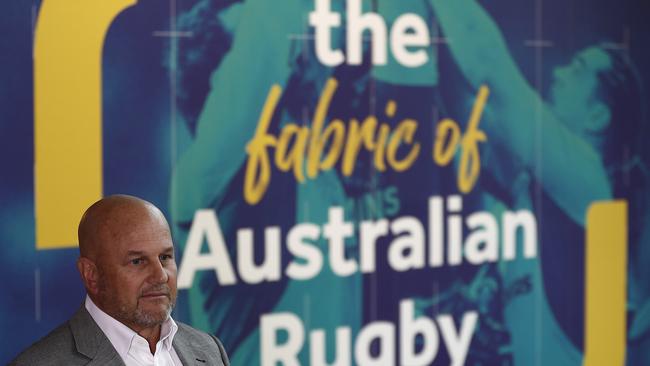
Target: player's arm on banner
(258,59)
(573,173)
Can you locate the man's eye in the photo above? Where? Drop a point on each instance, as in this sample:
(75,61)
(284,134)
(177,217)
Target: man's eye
(165,257)
(136,261)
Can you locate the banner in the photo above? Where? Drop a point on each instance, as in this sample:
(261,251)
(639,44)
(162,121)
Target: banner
(348,182)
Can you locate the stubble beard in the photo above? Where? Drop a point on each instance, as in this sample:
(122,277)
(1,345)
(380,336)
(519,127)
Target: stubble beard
(151,318)
(148,318)
(140,317)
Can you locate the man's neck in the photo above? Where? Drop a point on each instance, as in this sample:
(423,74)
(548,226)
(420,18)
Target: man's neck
(152,335)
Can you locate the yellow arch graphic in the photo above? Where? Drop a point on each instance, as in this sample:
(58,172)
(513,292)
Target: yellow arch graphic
(68,46)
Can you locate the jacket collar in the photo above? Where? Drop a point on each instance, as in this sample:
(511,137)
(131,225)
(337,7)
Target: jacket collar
(183,351)
(91,341)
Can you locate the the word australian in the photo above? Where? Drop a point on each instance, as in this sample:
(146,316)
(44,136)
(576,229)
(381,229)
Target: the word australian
(412,246)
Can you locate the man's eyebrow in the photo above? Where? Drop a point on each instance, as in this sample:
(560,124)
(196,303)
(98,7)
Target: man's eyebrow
(134,253)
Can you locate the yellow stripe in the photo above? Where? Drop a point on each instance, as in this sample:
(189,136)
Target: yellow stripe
(606,277)
(67,114)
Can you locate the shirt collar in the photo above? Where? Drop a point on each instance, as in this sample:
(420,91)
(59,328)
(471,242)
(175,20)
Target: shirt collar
(121,336)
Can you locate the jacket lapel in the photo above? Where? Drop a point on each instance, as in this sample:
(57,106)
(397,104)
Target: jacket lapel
(91,341)
(183,351)
(189,354)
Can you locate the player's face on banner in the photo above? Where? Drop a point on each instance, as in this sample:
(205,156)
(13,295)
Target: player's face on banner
(573,90)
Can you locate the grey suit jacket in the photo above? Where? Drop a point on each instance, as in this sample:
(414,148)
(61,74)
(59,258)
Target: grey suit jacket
(79,341)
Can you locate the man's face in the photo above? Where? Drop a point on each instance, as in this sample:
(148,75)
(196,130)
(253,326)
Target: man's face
(137,271)
(572,93)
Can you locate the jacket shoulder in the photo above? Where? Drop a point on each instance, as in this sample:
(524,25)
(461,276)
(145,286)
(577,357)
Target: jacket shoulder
(56,348)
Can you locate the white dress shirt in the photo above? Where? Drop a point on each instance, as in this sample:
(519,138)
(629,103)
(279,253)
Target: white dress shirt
(133,348)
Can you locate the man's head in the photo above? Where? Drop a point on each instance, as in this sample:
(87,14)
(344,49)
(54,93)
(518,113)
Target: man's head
(573,94)
(127,260)
(598,96)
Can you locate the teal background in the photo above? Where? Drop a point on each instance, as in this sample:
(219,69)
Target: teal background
(157,89)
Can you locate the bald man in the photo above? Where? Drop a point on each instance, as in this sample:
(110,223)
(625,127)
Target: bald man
(127,266)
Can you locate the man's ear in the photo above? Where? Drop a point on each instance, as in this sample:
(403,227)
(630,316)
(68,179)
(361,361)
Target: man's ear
(89,275)
(599,117)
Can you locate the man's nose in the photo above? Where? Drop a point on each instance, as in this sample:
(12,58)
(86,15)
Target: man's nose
(158,273)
